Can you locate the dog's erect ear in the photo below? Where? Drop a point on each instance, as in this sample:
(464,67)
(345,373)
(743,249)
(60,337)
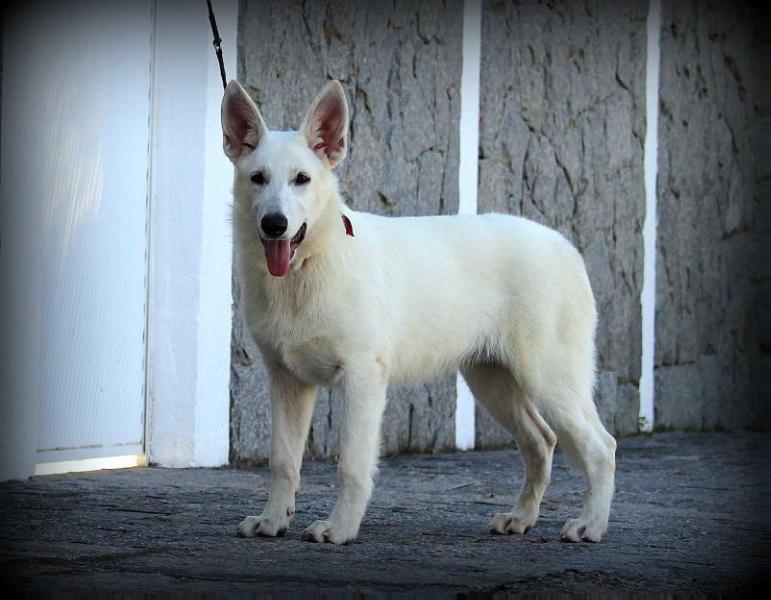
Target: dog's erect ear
(326,124)
(242,125)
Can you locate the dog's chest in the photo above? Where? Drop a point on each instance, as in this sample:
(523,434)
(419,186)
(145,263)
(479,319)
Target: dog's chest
(305,337)
(315,362)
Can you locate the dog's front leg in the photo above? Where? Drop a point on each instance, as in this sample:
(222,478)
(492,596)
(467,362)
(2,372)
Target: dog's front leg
(363,405)
(292,404)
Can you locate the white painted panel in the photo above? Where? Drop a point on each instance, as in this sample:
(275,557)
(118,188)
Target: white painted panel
(650,160)
(190,278)
(77,108)
(468,169)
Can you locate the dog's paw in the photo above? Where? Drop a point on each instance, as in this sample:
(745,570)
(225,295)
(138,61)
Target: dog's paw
(262,526)
(326,531)
(581,530)
(512,522)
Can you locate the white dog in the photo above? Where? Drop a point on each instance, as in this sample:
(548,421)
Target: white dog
(336,297)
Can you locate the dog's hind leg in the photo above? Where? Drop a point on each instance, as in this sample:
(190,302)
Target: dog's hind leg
(497,390)
(292,403)
(566,399)
(592,449)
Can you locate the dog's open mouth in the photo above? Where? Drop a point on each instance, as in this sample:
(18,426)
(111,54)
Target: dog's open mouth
(278,253)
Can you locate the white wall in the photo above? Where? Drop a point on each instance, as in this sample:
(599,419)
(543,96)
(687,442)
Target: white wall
(190,270)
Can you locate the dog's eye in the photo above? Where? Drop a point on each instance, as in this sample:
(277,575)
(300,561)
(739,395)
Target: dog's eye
(259,178)
(302,178)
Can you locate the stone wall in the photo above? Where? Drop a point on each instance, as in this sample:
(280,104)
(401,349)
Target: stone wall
(400,66)
(561,141)
(707,334)
(562,125)
(763,152)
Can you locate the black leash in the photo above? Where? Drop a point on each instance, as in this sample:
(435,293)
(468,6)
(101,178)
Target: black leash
(217,41)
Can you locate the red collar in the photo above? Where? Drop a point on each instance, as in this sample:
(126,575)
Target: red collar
(348,226)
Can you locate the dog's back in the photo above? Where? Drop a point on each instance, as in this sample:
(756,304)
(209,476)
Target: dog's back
(452,288)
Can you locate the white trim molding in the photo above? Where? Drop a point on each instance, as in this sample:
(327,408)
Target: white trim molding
(468,174)
(189,319)
(648,294)
(126,461)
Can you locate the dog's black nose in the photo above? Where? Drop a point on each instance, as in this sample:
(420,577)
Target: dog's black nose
(274,224)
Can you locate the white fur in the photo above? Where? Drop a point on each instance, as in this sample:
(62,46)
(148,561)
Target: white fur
(502,298)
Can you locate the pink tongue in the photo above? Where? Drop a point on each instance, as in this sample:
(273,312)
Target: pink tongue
(277,253)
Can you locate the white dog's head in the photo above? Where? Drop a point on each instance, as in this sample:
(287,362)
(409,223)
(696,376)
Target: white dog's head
(284,178)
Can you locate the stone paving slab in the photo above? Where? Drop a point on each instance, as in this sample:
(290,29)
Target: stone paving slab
(690,514)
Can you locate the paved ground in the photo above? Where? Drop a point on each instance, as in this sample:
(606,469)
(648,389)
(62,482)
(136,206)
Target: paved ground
(690,514)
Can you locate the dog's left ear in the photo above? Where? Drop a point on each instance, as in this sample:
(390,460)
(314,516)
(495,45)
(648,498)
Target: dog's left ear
(326,124)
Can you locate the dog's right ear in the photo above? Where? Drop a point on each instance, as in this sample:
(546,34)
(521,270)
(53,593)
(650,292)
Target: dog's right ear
(242,125)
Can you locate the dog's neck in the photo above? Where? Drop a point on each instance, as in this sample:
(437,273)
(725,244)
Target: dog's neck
(324,238)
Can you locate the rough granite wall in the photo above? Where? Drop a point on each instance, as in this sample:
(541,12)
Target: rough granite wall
(1,73)
(561,141)
(562,124)
(763,153)
(399,63)
(707,342)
